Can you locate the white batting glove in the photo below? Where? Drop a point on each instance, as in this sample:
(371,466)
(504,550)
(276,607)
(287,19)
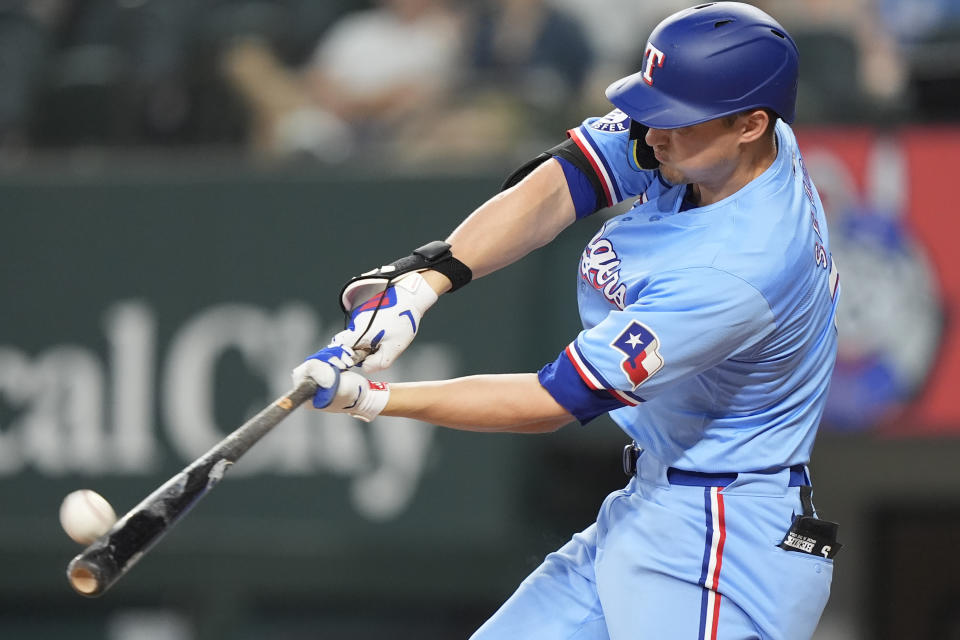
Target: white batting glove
(386,321)
(343,391)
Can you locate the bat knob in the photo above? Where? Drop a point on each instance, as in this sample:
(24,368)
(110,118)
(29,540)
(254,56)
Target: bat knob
(85,577)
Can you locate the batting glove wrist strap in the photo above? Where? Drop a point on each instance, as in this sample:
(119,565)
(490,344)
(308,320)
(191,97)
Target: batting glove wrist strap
(435,255)
(341,391)
(364,399)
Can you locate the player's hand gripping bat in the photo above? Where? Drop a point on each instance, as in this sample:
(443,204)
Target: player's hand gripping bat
(111,555)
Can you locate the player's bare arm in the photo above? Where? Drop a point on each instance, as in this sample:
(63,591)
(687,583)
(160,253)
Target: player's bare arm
(507,402)
(515,222)
(514,402)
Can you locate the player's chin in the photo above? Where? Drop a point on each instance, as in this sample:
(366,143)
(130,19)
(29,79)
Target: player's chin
(673,175)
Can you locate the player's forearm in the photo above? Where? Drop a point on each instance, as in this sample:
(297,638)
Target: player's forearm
(508,402)
(511,224)
(515,222)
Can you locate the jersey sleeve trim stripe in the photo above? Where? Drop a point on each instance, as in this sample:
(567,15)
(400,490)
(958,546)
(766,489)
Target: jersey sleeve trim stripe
(610,189)
(586,372)
(624,397)
(592,378)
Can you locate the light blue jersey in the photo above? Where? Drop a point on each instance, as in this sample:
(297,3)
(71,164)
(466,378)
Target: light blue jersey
(709,332)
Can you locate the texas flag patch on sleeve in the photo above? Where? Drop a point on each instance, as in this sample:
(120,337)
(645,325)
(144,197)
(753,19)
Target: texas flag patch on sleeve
(641,350)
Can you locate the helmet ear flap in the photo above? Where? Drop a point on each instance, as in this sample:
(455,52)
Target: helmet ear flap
(642,152)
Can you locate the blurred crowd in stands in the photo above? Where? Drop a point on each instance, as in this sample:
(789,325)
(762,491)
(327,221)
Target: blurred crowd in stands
(421,80)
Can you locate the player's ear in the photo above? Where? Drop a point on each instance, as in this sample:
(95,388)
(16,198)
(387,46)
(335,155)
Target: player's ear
(753,124)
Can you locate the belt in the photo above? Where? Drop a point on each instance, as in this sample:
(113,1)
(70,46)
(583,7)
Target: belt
(798,474)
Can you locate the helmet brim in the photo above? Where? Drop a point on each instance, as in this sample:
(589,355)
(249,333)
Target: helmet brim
(654,109)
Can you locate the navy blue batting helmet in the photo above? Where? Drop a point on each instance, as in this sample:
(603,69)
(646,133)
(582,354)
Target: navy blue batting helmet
(710,61)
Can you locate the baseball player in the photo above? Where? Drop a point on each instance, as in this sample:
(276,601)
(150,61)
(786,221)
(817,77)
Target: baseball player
(709,336)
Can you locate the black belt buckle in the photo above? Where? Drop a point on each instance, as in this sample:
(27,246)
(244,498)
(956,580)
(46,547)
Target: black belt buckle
(630,454)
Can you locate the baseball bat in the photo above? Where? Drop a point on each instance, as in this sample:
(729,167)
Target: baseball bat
(114,553)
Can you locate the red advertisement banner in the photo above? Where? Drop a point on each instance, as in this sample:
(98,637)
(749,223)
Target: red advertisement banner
(894,236)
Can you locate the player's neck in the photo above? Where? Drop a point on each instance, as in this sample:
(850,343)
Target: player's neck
(753,161)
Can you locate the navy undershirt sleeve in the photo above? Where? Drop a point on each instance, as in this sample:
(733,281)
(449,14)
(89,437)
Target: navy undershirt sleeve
(583,194)
(562,381)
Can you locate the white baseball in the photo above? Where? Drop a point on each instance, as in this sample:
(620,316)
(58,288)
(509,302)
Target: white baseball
(85,515)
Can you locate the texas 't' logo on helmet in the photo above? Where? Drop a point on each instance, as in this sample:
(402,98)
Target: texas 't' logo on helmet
(653,58)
